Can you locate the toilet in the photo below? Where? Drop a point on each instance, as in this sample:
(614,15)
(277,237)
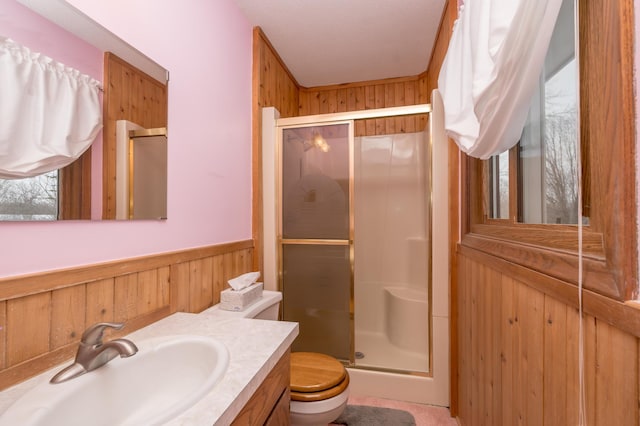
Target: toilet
(319,383)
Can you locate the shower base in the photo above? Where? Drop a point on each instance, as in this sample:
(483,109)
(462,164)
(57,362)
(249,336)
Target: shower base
(380,353)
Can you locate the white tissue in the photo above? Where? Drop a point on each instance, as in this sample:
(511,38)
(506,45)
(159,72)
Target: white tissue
(243,281)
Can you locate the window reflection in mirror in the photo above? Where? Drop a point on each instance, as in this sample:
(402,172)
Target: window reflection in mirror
(34,198)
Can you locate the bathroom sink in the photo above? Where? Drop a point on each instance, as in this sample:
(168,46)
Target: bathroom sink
(166,377)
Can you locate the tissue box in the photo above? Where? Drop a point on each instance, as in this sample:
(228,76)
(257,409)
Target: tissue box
(238,300)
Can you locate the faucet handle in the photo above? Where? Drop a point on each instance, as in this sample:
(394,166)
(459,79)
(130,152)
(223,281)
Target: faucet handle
(93,334)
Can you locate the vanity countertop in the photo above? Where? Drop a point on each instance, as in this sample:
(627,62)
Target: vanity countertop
(255,346)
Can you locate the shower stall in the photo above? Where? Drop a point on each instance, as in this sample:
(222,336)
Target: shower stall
(348,240)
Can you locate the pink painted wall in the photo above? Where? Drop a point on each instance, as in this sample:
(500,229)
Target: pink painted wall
(206,46)
(26,27)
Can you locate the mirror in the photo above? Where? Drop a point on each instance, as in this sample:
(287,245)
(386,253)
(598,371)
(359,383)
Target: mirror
(87,188)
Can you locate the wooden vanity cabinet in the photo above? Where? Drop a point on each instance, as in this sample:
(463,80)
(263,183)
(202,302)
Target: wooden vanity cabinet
(269,405)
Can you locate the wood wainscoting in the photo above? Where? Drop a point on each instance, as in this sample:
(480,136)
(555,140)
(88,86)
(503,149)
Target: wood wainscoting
(518,349)
(42,316)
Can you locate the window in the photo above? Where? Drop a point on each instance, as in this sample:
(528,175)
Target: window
(546,174)
(541,231)
(498,183)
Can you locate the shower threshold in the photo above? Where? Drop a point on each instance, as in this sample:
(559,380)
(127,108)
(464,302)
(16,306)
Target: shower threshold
(380,353)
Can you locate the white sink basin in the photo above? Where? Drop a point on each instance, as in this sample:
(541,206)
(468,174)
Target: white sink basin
(166,377)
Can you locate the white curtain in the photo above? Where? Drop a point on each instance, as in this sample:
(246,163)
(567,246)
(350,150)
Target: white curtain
(491,69)
(49,113)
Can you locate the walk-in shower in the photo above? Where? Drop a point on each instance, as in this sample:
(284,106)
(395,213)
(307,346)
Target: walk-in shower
(348,240)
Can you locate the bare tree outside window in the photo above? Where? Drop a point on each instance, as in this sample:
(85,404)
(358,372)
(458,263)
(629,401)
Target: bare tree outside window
(33,198)
(560,147)
(561,168)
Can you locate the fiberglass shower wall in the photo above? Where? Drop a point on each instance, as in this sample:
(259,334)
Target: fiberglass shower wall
(391,207)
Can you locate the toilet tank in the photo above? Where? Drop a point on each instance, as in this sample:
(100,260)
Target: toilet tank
(267,307)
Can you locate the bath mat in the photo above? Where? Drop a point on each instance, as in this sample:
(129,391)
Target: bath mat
(363,415)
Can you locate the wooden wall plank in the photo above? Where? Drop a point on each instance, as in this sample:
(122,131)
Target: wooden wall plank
(533,322)
(474,361)
(28,327)
(68,312)
(219,282)
(409,99)
(100,301)
(478,362)
(147,299)
(464,340)
(508,337)
(164,286)
(200,284)
(3,335)
(180,275)
(616,395)
(228,267)
(556,364)
(572,372)
(494,366)
(125,297)
(591,366)
(238,263)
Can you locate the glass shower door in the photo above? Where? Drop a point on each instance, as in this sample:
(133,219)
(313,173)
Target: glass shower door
(316,236)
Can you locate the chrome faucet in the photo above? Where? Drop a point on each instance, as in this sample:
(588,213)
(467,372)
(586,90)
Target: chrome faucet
(92,353)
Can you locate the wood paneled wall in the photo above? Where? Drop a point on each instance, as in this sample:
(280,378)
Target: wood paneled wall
(441,45)
(518,354)
(370,95)
(130,94)
(42,316)
(273,86)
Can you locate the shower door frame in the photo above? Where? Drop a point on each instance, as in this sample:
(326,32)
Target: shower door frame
(281,242)
(330,119)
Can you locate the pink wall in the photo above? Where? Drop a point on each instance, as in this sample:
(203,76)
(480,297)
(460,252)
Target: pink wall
(26,27)
(206,46)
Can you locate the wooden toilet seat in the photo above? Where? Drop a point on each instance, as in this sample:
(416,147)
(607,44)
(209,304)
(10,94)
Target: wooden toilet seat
(316,377)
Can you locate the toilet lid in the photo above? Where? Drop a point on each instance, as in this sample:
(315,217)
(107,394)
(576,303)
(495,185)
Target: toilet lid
(314,372)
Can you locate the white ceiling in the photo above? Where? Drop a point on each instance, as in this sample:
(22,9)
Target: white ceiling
(325,42)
